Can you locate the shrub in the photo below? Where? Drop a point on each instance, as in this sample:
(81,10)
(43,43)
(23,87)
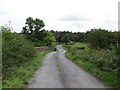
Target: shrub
(16,50)
(104,59)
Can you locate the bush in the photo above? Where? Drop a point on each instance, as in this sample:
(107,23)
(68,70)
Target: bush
(106,60)
(101,38)
(101,63)
(16,50)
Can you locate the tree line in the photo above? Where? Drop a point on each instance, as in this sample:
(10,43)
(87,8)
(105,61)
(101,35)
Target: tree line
(97,38)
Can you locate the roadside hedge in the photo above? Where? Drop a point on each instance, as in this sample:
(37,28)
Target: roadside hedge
(104,59)
(16,50)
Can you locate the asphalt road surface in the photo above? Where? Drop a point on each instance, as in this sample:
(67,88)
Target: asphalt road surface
(59,72)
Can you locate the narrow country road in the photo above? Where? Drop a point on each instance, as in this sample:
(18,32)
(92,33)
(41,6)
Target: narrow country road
(58,72)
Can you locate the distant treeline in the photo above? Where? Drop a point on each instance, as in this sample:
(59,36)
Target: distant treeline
(98,38)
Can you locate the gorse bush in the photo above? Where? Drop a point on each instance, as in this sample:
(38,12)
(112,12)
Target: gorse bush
(16,50)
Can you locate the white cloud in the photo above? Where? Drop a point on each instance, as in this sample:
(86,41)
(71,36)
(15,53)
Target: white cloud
(101,13)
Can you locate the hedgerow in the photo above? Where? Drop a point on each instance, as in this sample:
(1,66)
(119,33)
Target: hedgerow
(105,59)
(16,50)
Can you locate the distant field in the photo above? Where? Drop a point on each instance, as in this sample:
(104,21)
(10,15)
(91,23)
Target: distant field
(77,45)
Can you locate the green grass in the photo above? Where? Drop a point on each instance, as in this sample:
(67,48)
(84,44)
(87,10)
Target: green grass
(80,45)
(77,45)
(74,55)
(22,74)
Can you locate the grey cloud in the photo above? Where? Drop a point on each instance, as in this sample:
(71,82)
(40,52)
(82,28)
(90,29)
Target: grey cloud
(78,24)
(112,22)
(73,18)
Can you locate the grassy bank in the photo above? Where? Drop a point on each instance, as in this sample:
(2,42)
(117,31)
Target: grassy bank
(75,55)
(23,73)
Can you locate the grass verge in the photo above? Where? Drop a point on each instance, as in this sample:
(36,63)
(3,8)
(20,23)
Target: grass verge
(23,73)
(106,77)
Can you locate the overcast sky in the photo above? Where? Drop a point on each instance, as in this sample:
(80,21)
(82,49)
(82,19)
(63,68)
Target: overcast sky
(60,15)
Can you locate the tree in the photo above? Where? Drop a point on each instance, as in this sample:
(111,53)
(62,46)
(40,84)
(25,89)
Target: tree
(5,29)
(34,33)
(66,38)
(32,26)
(47,38)
(98,38)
